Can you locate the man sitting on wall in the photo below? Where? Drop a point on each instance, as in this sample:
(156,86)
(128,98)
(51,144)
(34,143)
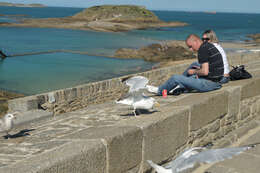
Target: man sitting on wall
(201,78)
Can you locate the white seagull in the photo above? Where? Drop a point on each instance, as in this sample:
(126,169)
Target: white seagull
(135,96)
(6,123)
(190,157)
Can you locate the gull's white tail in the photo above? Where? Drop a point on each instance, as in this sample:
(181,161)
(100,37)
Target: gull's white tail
(158,168)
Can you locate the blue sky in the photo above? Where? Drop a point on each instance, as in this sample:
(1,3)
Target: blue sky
(250,6)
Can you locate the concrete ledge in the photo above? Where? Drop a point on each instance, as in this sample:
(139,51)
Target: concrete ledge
(163,132)
(73,157)
(70,99)
(30,116)
(251,88)
(23,104)
(205,107)
(234,97)
(124,145)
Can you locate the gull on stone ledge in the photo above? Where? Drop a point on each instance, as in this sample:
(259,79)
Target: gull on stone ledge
(135,96)
(6,123)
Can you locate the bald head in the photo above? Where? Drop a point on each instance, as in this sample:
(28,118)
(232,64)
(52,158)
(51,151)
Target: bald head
(193,42)
(192,37)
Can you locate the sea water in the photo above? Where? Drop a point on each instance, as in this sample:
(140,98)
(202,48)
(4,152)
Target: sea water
(42,73)
(45,72)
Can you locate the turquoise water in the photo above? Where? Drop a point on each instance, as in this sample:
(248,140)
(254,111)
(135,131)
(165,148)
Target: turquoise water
(42,73)
(45,72)
(26,40)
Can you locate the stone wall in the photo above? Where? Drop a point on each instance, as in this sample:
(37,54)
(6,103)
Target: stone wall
(193,119)
(196,120)
(70,99)
(231,112)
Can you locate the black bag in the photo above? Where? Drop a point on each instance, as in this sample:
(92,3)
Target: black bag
(239,72)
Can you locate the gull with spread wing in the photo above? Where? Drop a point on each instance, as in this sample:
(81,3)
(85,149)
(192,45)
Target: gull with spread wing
(192,156)
(135,96)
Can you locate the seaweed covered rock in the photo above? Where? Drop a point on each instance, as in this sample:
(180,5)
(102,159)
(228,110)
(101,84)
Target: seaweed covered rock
(168,51)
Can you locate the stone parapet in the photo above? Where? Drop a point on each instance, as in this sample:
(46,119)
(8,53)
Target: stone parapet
(123,145)
(72,157)
(205,109)
(107,138)
(71,99)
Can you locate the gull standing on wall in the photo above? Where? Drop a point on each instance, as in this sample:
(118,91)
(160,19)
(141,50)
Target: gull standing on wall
(192,156)
(135,96)
(6,123)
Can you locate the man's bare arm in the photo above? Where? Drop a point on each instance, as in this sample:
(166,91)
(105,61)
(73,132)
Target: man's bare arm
(203,71)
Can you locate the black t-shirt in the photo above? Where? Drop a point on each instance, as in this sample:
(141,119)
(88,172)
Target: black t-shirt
(209,53)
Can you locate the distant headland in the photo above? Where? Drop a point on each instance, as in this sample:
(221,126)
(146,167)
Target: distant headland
(107,18)
(20,5)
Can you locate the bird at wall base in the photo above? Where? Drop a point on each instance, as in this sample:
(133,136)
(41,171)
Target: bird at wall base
(135,96)
(6,123)
(189,157)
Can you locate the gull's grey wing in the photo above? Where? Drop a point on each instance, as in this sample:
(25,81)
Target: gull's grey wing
(210,156)
(137,82)
(139,95)
(132,97)
(126,99)
(183,156)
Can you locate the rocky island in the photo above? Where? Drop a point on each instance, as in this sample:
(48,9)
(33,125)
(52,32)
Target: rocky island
(107,18)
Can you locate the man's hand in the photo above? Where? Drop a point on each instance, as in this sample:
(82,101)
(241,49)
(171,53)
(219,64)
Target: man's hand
(195,67)
(192,71)
(203,71)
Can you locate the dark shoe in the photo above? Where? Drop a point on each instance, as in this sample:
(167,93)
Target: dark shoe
(177,90)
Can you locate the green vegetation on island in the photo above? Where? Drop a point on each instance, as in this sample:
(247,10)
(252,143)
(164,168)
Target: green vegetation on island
(122,13)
